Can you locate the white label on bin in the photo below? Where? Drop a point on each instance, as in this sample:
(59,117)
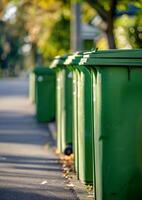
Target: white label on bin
(40,78)
(70,75)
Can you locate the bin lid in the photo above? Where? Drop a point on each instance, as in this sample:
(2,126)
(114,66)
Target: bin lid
(74,59)
(58,61)
(43,71)
(113,57)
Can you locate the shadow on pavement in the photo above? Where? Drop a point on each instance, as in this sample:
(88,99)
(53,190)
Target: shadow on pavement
(13,87)
(20,128)
(15,194)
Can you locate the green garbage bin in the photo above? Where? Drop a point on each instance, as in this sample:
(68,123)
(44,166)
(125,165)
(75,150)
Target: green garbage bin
(68,111)
(45,94)
(82,119)
(85,125)
(75,121)
(32,87)
(72,63)
(64,105)
(117,83)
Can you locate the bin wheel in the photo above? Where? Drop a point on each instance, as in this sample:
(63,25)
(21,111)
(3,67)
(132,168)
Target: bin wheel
(68,150)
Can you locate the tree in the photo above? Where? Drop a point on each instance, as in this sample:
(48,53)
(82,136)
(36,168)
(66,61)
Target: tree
(135,33)
(47,24)
(3,4)
(108,11)
(12,37)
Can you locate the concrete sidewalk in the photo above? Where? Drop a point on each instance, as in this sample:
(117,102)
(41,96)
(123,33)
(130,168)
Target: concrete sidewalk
(28,171)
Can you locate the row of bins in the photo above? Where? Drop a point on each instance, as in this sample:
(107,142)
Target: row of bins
(99,118)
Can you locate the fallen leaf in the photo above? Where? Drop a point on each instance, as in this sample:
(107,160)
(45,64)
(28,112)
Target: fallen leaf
(43,182)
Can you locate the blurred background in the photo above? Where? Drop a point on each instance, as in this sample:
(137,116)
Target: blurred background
(32,32)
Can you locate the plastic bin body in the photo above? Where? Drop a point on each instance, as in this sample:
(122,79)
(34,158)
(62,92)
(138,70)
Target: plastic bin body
(64,109)
(32,87)
(85,125)
(117,124)
(59,113)
(72,64)
(119,134)
(82,119)
(68,99)
(75,120)
(45,94)
(63,104)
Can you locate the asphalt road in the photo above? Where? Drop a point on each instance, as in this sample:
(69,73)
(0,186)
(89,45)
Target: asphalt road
(29,169)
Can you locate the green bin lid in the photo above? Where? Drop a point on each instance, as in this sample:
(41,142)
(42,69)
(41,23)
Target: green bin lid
(43,71)
(74,59)
(58,61)
(113,57)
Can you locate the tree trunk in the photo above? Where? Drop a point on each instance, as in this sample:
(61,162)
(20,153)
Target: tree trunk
(110,35)
(110,24)
(108,18)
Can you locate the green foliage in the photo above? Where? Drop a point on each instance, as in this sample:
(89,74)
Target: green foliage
(48,26)
(87,12)
(45,24)
(58,42)
(135,33)
(128,31)
(12,37)
(9,46)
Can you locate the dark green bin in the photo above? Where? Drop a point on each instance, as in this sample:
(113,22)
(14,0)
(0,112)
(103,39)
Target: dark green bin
(63,105)
(44,94)
(32,87)
(82,119)
(117,99)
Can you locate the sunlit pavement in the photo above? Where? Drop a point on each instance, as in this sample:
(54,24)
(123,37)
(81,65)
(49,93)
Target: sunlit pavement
(28,170)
